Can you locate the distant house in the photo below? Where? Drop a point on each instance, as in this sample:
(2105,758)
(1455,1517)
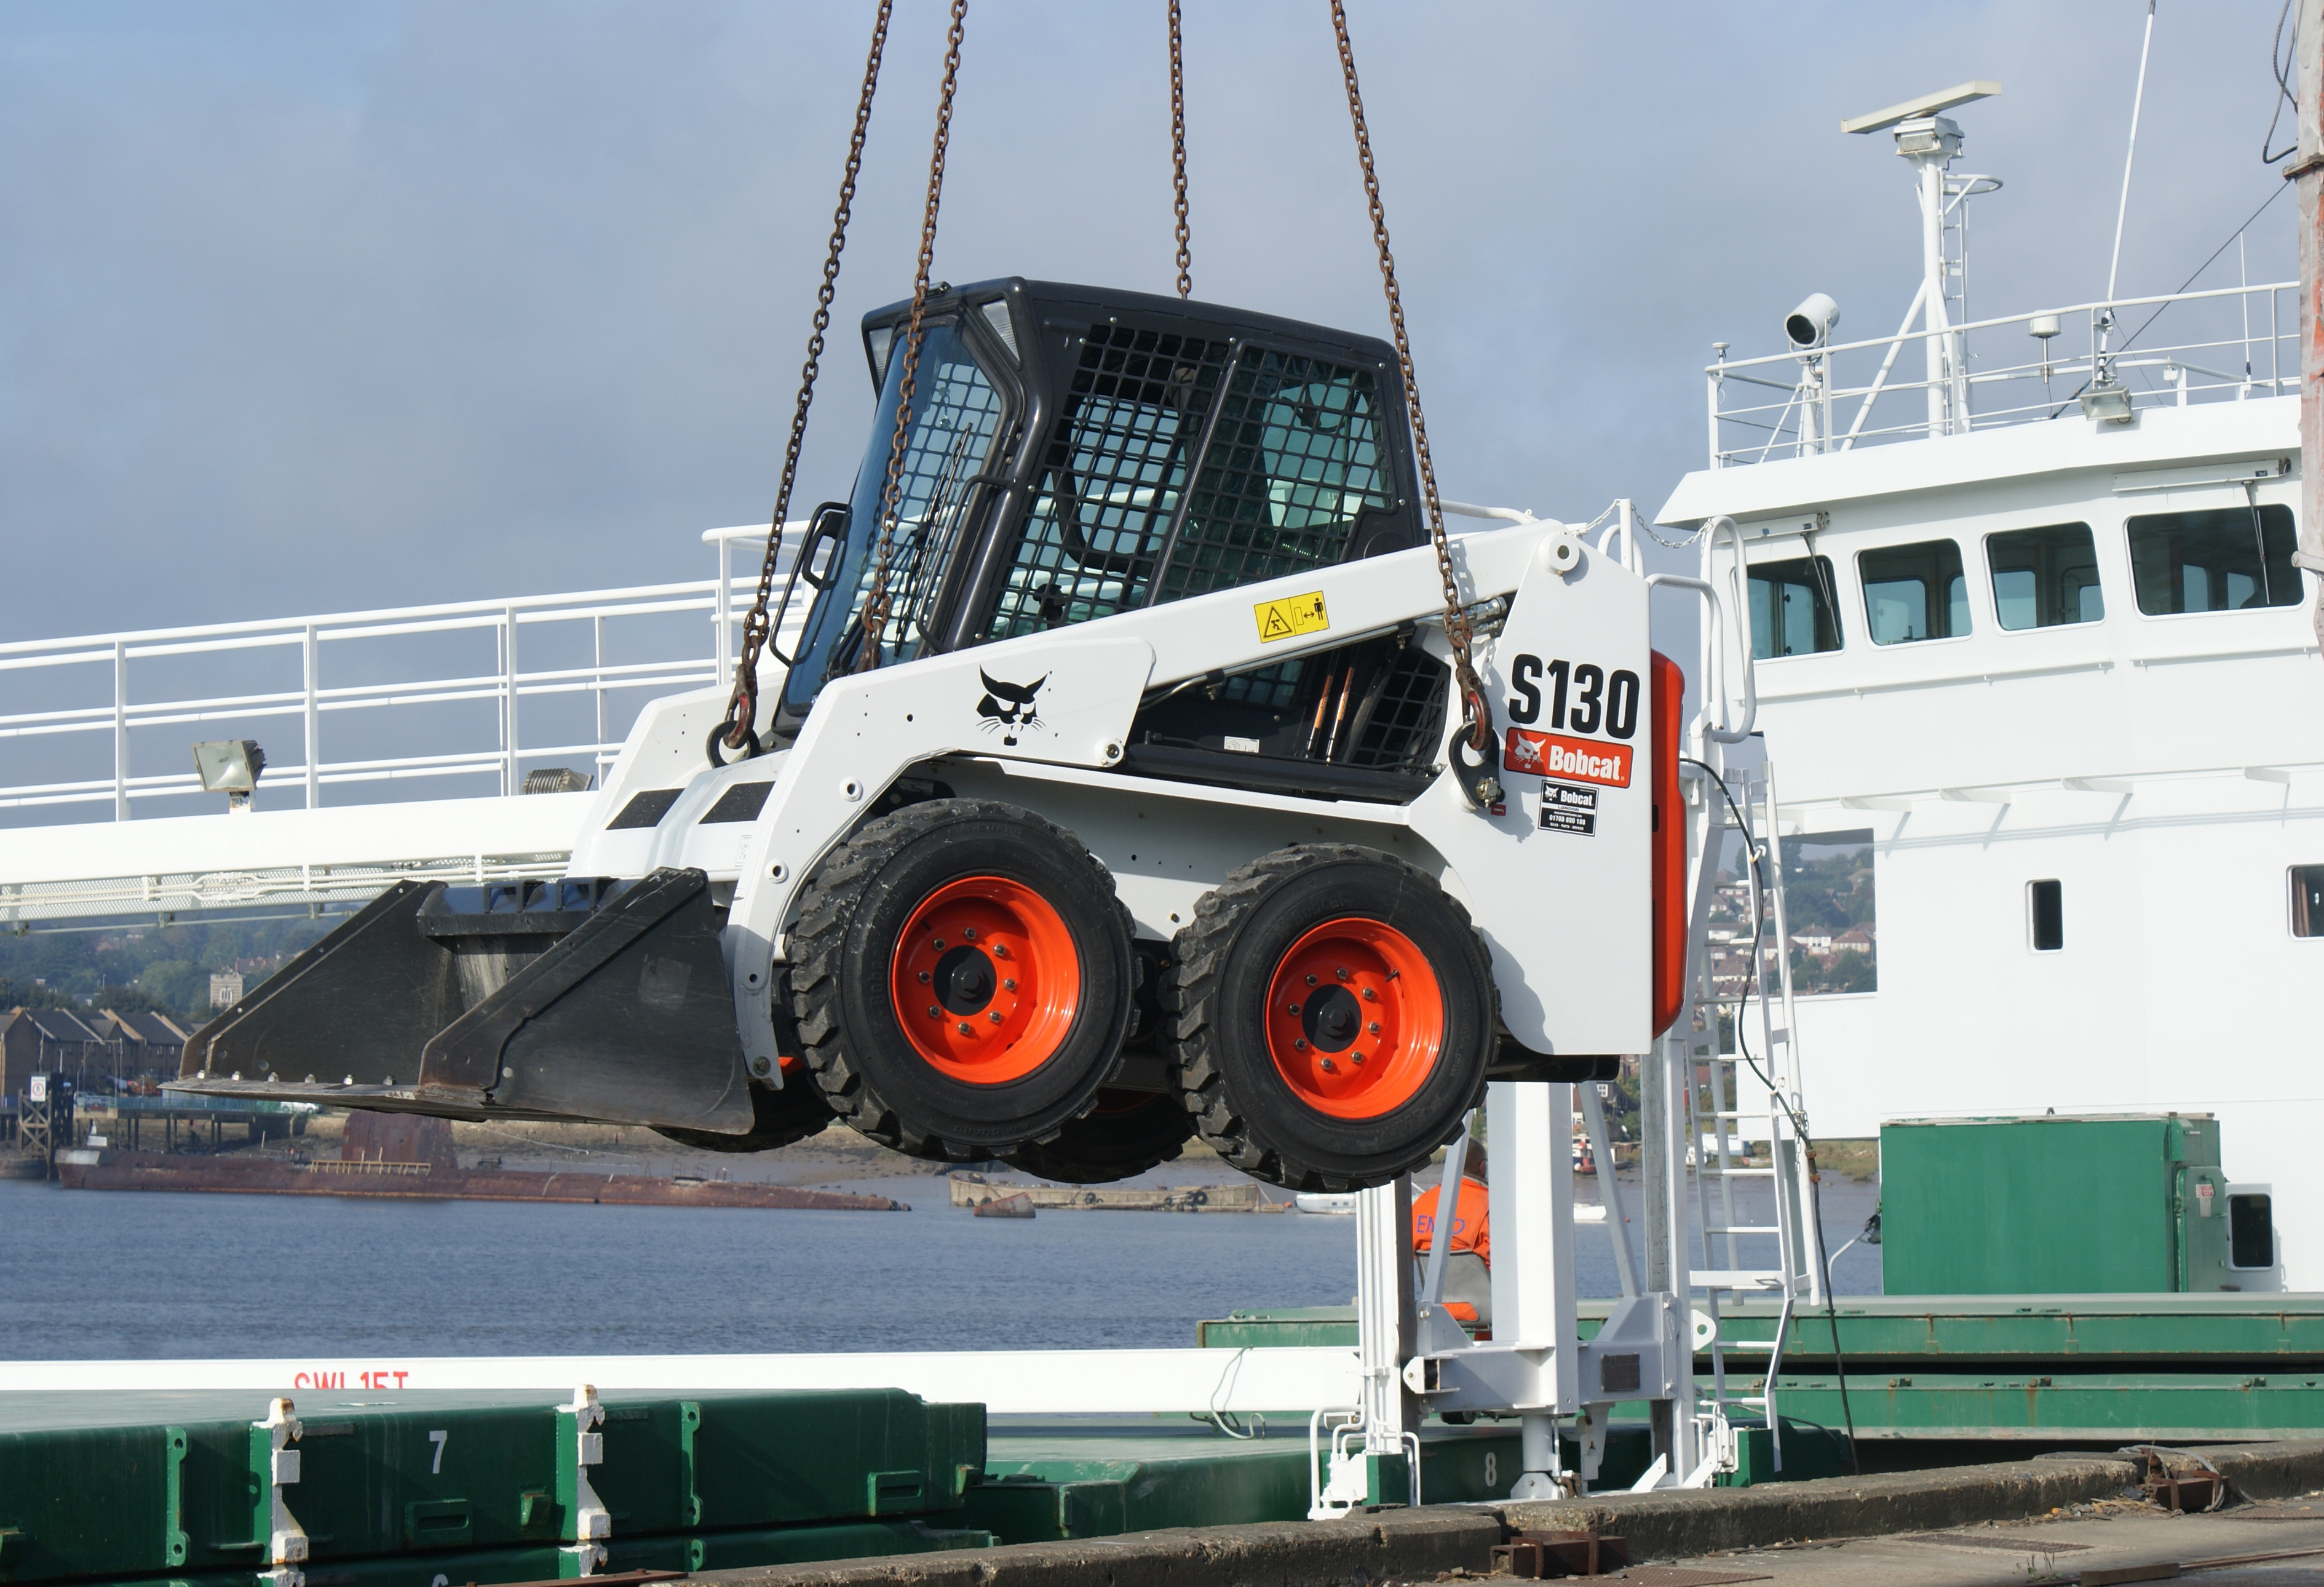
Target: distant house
(1813,940)
(1855,939)
(226,988)
(150,1043)
(48,1041)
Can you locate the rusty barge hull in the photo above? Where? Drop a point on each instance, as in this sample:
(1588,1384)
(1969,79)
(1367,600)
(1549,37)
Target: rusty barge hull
(426,1182)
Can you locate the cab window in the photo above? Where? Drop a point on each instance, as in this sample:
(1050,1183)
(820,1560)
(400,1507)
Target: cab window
(1914,592)
(2045,577)
(2225,559)
(1794,611)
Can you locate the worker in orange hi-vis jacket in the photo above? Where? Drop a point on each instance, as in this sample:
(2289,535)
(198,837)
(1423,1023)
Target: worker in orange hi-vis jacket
(1468,1256)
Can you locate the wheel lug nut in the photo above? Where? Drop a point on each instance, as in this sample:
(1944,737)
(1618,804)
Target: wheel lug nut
(938,945)
(923,978)
(1301,1044)
(1311,981)
(935,1013)
(966,1028)
(994,1016)
(1373,1027)
(1342,972)
(1000,950)
(1357,1060)
(968,934)
(1330,1067)
(1371,996)
(1009,984)
(1291,1008)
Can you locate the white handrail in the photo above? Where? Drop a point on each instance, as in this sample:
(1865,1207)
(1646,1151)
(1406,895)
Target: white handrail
(1715,686)
(501,754)
(1732,365)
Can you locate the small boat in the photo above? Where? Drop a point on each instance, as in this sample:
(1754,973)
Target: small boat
(1339,1205)
(1019,1205)
(1590,1211)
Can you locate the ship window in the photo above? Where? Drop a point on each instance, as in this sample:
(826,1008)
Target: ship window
(2226,559)
(2250,1230)
(2308,901)
(2045,904)
(1793,609)
(2045,577)
(1914,592)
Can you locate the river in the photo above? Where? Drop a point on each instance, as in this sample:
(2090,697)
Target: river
(96,1275)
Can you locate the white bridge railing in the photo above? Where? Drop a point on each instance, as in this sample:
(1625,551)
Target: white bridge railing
(139,672)
(2229,343)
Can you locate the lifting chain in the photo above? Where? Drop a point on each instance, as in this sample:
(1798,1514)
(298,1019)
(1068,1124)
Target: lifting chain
(1457,631)
(1178,152)
(738,731)
(875,605)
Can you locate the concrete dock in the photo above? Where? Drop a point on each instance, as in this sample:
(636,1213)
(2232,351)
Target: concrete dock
(2068,1519)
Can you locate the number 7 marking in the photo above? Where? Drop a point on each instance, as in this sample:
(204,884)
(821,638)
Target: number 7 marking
(439,1439)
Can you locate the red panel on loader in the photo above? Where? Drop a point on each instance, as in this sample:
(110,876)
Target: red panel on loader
(1667,694)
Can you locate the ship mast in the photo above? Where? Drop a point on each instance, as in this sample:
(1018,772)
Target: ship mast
(1930,141)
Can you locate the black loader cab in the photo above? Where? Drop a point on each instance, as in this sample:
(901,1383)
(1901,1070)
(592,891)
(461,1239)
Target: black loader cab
(1075,452)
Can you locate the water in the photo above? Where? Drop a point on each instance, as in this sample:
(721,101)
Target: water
(127,1276)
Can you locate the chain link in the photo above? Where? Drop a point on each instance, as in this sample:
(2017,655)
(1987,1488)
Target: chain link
(1178,152)
(1457,630)
(742,704)
(875,605)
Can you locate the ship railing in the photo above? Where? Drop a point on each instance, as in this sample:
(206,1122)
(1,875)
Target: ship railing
(567,675)
(2230,344)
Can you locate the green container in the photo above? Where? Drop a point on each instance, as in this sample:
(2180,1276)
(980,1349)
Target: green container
(400,1480)
(780,1460)
(1809,1452)
(89,1502)
(789,1459)
(791,1545)
(714,1550)
(2054,1205)
(102,1485)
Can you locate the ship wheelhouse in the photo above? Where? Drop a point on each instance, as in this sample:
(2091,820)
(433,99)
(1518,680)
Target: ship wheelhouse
(2034,630)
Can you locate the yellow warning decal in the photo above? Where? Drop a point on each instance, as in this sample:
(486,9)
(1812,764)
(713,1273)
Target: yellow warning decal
(1291,616)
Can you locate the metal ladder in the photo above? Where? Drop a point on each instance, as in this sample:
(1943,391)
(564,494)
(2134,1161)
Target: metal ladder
(1723,1093)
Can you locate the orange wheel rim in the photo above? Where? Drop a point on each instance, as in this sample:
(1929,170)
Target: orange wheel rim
(985,980)
(1355,1018)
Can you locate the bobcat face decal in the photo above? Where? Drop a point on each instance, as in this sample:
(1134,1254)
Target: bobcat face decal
(1008,708)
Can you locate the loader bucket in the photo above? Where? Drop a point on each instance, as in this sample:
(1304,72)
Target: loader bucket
(568,1000)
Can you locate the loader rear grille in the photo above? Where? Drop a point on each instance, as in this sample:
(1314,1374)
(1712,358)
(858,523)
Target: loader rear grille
(1407,721)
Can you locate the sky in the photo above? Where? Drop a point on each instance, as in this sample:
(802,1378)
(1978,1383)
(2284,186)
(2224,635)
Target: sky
(310,309)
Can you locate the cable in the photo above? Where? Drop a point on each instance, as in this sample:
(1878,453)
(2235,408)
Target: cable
(2285,96)
(1807,1143)
(2181,287)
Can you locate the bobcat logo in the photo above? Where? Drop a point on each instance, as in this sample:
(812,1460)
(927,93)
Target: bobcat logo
(1008,708)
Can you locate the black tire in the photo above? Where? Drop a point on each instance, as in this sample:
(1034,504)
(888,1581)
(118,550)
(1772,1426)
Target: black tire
(778,1117)
(1217,994)
(854,912)
(1126,1133)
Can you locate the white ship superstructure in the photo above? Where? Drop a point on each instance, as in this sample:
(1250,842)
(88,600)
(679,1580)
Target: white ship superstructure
(2029,622)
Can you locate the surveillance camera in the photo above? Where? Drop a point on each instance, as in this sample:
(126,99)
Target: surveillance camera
(1810,324)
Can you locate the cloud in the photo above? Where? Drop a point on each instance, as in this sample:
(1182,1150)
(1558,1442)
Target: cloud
(308,309)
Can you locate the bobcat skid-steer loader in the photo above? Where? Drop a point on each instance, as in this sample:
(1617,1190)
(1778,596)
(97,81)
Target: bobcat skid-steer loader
(1157,816)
